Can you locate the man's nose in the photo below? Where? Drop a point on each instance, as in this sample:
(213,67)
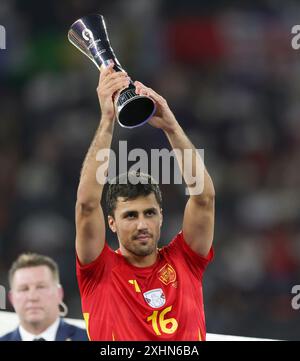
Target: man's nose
(32,294)
(142,224)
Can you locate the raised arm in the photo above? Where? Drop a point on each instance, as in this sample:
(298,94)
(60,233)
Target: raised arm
(198,220)
(90,224)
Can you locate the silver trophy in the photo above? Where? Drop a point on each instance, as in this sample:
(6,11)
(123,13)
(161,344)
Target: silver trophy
(89,35)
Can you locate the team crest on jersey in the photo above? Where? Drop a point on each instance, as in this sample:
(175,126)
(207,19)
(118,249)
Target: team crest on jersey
(155,298)
(167,274)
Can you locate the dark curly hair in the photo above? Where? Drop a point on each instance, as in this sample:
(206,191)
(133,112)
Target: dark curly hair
(131,185)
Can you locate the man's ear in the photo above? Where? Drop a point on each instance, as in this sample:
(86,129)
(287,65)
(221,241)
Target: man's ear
(161,217)
(60,292)
(112,223)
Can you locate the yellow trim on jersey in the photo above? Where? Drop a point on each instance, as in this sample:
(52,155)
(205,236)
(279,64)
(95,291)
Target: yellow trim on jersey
(199,335)
(136,285)
(86,317)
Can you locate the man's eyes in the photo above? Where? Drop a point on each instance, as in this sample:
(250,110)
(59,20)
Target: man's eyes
(38,287)
(22,289)
(134,215)
(130,215)
(41,286)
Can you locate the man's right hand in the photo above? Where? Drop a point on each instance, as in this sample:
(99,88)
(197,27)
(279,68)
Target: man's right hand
(111,83)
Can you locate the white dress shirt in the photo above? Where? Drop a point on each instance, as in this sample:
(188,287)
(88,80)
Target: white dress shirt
(49,334)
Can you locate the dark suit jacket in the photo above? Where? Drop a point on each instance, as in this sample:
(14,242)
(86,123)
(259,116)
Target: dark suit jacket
(65,332)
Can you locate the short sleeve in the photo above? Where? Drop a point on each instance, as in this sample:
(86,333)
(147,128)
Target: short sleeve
(90,275)
(195,262)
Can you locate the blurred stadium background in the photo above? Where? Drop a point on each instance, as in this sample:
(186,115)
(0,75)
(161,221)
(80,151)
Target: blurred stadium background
(232,78)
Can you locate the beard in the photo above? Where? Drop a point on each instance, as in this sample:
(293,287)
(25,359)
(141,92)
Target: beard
(141,248)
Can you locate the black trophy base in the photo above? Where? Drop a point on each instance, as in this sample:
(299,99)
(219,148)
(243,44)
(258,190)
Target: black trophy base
(136,112)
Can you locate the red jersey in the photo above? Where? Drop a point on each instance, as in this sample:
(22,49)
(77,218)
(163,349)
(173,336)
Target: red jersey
(163,302)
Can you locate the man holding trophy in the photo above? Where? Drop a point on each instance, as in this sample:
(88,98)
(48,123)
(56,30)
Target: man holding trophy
(139,292)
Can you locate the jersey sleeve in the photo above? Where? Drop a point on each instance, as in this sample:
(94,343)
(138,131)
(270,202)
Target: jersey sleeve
(195,262)
(90,275)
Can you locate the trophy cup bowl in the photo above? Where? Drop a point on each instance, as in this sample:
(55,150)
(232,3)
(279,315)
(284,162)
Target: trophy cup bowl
(89,35)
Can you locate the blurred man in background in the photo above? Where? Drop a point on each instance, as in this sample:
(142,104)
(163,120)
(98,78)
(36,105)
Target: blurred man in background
(36,296)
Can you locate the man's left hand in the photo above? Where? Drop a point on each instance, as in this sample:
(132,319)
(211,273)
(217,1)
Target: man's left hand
(163,117)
